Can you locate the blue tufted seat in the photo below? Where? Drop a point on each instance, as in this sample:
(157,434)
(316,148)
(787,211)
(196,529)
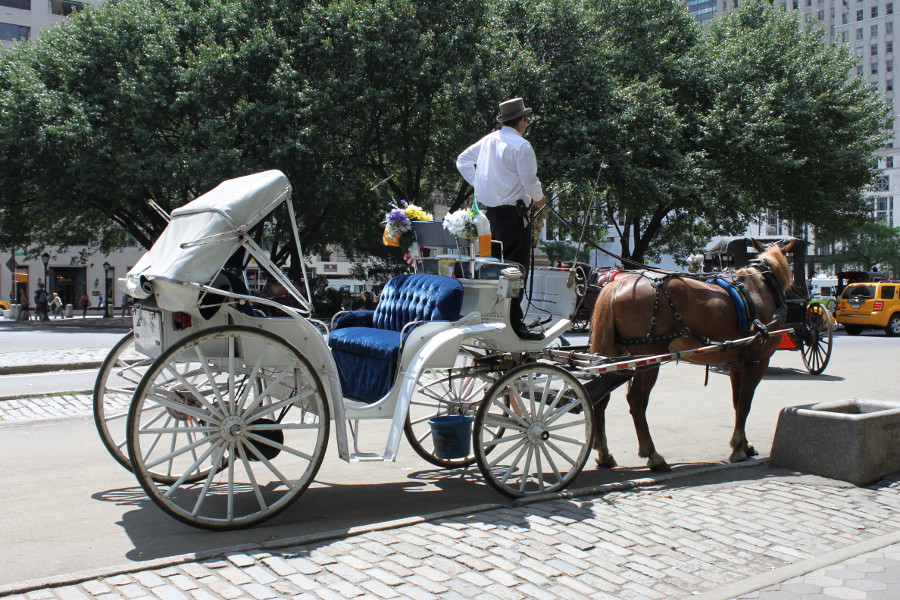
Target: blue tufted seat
(366,344)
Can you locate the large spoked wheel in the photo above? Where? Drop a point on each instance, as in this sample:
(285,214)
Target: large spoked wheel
(817,336)
(237,419)
(533,432)
(439,392)
(119,375)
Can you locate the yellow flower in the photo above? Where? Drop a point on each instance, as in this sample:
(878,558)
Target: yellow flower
(417,214)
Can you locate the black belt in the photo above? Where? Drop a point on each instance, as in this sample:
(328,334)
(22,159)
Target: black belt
(519,208)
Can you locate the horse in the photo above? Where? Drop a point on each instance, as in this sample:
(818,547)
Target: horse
(684,312)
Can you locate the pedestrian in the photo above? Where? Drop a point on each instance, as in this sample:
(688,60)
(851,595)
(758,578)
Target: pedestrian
(25,310)
(368,301)
(40,304)
(502,167)
(85,302)
(346,301)
(56,306)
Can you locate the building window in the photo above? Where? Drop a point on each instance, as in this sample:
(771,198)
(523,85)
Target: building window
(889,85)
(859,33)
(859,69)
(844,37)
(873,31)
(859,15)
(889,162)
(882,183)
(65,7)
(889,66)
(874,68)
(873,49)
(844,19)
(889,8)
(884,209)
(875,11)
(325,257)
(888,47)
(14,33)
(23,4)
(889,28)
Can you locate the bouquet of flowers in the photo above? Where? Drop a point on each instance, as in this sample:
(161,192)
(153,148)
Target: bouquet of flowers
(398,224)
(461,224)
(470,224)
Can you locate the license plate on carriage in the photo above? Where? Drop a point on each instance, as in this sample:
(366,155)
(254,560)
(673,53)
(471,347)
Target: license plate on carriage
(147,326)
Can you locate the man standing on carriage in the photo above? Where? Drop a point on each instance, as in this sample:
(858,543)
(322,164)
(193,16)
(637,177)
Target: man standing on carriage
(502,168)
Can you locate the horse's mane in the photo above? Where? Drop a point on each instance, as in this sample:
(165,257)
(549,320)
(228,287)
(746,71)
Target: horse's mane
(774,257)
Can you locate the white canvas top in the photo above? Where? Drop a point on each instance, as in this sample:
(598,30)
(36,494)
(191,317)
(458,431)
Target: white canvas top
(234,204)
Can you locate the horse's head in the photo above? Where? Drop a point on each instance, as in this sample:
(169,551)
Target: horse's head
(774,256)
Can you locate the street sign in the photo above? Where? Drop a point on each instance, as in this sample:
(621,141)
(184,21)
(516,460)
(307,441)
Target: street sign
(11,263)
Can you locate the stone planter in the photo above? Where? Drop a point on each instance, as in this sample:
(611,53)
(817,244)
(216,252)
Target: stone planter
(852,440)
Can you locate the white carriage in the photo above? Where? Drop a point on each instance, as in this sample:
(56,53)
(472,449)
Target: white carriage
(232,410)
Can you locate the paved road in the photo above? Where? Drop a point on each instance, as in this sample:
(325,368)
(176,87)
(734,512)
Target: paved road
(724,534)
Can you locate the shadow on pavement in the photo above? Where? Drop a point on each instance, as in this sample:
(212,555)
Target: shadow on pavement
(331,511)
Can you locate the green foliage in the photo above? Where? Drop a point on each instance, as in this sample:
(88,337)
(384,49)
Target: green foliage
(665,131)
(864,244)
(559,251)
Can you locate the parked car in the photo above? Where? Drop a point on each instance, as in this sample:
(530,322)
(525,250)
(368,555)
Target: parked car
(4,306)
(871,305)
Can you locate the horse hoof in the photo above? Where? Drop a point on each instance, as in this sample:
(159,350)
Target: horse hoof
(607,462)
(658,464)
(751,451)
(737,457)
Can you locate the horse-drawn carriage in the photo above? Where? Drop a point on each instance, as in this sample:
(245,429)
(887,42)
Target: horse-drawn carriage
(223,412)
(811,322)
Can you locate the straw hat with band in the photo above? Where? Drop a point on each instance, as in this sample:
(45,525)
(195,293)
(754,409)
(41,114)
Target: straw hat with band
(512,109)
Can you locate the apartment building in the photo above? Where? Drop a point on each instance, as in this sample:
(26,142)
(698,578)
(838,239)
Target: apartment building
(23,20)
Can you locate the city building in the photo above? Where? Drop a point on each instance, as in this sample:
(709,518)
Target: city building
(23,20)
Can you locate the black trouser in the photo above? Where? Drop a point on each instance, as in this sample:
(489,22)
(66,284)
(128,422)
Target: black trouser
(509,225)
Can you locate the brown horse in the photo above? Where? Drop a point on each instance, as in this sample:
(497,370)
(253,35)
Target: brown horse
(644,314)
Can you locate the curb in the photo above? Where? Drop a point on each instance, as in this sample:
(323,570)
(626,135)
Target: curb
(30,369)
(338,534)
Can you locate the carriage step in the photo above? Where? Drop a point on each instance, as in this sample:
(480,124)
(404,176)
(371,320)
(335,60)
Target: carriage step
(366,457)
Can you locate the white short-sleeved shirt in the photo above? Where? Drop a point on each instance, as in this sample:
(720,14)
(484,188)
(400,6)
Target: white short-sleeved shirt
(502,168)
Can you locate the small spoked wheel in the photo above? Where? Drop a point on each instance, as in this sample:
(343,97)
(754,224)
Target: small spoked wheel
(440,392)
(534,430)
(237,420)
(817,337)
(119,375)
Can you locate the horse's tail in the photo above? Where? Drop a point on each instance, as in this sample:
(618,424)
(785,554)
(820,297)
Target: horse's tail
(603,331)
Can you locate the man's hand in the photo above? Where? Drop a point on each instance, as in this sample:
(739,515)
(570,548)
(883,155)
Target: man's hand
(541,203)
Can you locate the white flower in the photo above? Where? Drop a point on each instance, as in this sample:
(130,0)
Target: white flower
(461,224)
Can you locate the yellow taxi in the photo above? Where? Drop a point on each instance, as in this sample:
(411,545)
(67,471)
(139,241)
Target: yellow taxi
(872,305)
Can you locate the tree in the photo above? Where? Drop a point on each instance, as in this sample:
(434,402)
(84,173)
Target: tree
(864,244)
(134,100)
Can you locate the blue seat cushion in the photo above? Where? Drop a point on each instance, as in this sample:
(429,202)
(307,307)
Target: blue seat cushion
(366,344)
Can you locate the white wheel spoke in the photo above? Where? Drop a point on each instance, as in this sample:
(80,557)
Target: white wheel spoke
(176,453)
(279,446)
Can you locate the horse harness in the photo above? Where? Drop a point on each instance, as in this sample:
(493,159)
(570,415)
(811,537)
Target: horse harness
(660,285)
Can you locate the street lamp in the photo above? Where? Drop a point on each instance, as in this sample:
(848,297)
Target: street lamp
(45,258)
(106,269)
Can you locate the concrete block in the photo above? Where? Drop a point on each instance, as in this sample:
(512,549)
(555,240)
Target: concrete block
(852,440)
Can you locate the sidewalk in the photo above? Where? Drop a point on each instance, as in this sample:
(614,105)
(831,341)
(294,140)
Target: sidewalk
(742,531)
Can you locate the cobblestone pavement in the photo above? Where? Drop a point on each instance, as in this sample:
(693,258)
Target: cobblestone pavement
(753,533)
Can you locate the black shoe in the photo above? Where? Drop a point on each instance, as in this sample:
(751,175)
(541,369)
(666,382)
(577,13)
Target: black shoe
(526,334)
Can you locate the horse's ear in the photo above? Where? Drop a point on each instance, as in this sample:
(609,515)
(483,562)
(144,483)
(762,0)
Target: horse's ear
(787,247)
(756,245)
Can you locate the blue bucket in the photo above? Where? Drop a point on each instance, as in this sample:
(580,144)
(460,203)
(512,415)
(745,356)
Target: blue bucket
(452,436)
